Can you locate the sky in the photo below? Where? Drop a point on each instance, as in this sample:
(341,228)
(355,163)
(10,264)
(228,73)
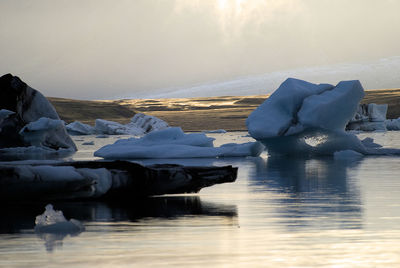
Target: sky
(107,49)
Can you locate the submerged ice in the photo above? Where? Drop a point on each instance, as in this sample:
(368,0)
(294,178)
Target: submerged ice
(302,118)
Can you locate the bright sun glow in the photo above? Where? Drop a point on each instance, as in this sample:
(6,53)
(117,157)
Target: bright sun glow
(229,5)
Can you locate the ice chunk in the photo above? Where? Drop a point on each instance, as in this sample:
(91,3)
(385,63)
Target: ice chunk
(369,143)
(52,227)
(222,131)
(88,143)
(332,108)
(78,128)
(139,125)
(114,128)
(4,113)
(101,176)
(148,123)
(297,105)
(393,124)
(46,132)
(178,151)
(369,117)
(53,221)
(347,154)
(279,112)
(174,143)
(377,112)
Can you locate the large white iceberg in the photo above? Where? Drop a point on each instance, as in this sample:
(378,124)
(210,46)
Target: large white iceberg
(305,118)
(174,143)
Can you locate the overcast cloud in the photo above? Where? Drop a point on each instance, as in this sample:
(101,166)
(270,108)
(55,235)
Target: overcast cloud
(97,49)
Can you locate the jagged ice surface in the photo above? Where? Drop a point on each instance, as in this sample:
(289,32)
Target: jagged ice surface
(304,118)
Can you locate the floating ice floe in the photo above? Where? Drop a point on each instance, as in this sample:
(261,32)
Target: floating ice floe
(302,118)
(221,131)
(174,143)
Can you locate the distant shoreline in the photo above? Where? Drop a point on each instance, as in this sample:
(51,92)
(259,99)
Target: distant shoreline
(192,114)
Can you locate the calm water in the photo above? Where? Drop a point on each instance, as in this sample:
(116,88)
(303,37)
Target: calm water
(280,212)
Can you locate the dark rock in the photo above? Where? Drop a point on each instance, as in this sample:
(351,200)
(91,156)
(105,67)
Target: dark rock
(29,106)
(105,179)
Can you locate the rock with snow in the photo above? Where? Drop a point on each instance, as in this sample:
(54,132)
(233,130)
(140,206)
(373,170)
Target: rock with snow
(27,106)
(303,118)
(174,143)
(78,128)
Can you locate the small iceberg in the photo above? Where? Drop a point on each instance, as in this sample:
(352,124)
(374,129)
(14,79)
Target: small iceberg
(53,227)
(174,143)
(79,128)
(53,221)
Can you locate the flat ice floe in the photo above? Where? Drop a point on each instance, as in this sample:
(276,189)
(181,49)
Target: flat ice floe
(302,118)
(174,143)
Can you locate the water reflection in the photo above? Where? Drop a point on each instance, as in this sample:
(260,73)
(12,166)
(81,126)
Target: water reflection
(18,217)
(54,241)
(319,193)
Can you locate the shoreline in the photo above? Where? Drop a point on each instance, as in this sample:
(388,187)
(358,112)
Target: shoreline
(192,114)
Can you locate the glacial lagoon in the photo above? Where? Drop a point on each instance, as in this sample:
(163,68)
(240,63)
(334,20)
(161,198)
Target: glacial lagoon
(281,212)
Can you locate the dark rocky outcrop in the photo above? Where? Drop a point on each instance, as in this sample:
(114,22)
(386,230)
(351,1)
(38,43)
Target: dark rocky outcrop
(104,179)
(28,105)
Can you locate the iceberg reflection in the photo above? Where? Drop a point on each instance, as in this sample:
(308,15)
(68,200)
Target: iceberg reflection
(318,192)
